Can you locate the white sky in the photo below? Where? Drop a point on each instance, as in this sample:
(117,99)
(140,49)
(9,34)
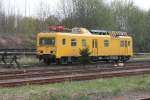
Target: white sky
(33,5)
(144,4)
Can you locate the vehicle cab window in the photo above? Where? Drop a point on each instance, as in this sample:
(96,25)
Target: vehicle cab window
(47,41)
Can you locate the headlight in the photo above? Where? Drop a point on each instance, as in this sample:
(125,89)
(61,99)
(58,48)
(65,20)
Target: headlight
(52,52)
(40,51)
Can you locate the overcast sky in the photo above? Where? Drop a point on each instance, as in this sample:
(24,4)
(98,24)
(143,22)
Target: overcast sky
(32,5)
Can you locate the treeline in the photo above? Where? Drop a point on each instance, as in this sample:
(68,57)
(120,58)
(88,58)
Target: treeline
(13,22)
(119,15)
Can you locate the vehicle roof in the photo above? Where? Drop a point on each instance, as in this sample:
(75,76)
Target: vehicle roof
(46,34)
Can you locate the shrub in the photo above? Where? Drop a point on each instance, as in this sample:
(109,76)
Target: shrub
(84,56)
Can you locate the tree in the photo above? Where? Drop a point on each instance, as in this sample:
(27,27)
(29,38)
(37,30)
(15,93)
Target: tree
(2,18)
(129,18)
(28,25)
(136,27)
(88,13)
(43,12)
(146,27)
(52,20)
(120,12)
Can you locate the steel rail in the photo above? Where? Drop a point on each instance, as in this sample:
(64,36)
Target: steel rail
(72,67)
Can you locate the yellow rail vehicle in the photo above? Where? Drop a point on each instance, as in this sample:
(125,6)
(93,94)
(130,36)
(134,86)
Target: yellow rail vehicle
(103,45)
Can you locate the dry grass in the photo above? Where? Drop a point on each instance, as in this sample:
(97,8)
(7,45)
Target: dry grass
(24,60)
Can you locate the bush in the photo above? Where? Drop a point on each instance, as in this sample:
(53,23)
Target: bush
(84,56)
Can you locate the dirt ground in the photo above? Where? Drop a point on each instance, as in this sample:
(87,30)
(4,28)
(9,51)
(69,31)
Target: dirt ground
(125,96)
(131,96)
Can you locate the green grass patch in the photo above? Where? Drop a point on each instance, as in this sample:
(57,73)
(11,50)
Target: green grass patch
(79,90)
(28,60)
(25,61)
(142,56)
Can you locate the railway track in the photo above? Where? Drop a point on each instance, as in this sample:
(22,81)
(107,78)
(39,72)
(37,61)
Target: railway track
(60,74)
(74,67)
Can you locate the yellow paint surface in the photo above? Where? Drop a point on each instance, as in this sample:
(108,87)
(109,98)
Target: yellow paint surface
(60,50)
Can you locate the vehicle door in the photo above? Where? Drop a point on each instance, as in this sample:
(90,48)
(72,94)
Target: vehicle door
(94,47)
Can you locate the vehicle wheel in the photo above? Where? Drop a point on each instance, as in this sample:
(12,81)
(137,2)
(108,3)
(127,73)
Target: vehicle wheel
(58,61)
(124,59)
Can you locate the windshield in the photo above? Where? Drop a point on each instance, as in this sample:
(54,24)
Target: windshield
(47,41)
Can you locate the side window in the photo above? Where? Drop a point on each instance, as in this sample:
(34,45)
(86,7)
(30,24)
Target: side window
(73,42)
(83,43)
(129,44)
(106,43)
(93,44)
(64,41)
(96,43)
(126,44)
(122,44)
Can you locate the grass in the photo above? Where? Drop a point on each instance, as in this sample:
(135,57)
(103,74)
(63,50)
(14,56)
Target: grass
(78,90)
(29,61)
(141,56)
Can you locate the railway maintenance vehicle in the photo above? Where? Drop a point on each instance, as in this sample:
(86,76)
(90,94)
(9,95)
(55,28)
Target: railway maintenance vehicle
(60,46)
